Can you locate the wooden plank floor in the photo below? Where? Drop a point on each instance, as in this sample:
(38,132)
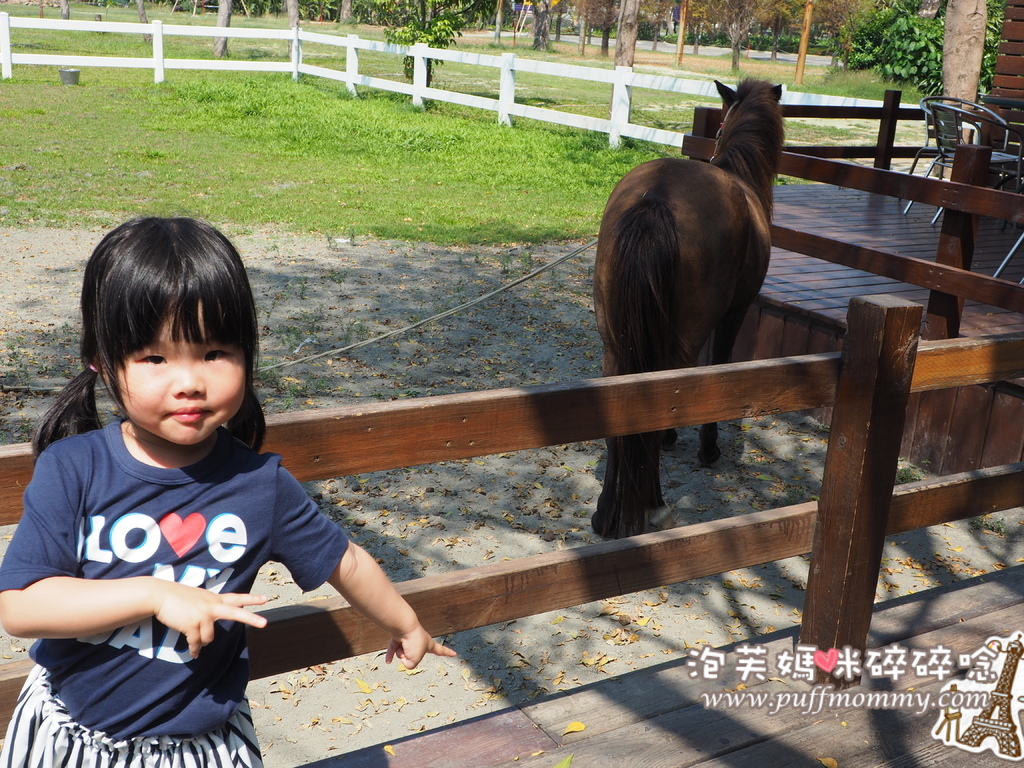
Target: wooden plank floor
(656,717)
(805,285)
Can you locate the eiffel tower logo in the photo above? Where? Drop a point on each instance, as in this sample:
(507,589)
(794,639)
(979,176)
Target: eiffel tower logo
(996,719)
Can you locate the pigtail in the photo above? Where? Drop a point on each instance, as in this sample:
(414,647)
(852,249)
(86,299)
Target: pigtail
(249,425)
(73,412)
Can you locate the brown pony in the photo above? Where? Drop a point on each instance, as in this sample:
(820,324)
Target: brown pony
(682,252)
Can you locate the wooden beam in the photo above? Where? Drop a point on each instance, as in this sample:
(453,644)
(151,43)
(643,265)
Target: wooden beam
(860,467)
(998,204)
(325,630)
(906,269)
(956,243)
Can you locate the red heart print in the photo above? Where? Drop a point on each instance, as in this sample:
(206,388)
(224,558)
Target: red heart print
(182,534)
(826,662)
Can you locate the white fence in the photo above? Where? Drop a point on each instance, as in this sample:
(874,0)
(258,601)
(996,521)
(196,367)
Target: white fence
(622,79)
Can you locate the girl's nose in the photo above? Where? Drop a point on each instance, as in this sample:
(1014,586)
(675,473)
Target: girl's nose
(189,382)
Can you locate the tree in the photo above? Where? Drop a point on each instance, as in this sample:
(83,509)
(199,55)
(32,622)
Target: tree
(963,47)
(602,15)
(625,40)
(777,16)
(840,20)
(220,44)
(736,16)
(541,24)
(146,38)
(437,23)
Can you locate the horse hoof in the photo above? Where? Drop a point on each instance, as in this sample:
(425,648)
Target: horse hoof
(708,458)
(668,439)
(662,519)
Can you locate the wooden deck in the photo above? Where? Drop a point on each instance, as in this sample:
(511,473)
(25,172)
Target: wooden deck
(802,309)
(656,718)
(820,291)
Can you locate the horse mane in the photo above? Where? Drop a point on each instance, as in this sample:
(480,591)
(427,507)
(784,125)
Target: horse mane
(752,136)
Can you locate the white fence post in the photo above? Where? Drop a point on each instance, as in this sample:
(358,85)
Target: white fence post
(158,51)
(419,73)
(506,88)
(5,46)
(352,63)
(620,104)
(296,53)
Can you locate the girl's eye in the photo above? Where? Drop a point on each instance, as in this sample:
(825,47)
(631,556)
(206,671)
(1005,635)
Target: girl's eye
(153,359)
(215,354)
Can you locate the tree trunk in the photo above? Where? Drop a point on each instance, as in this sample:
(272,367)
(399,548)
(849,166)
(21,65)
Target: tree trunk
(606,35)
(292,7)
(220,44)
(625,40)
(345,14)
(143,20)
(582,32)
(541,24)
(963,48)
(497,22)
(65,10)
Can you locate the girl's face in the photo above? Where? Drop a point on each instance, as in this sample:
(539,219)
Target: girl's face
(175,395)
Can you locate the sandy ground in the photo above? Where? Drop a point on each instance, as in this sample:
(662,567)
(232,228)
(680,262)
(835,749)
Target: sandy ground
(317,295)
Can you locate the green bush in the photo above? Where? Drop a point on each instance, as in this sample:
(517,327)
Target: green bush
(905,48)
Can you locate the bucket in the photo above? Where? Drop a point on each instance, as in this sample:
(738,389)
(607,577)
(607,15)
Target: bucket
(69,76)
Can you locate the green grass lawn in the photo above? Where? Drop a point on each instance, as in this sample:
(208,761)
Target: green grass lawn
(258,150)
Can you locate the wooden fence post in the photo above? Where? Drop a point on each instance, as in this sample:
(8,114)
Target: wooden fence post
(419,72)
(506,88)
(621,95)
(296,53)
(860,468)
(5,46)
(956,242)
(887,129)
(158,51)
(352,64)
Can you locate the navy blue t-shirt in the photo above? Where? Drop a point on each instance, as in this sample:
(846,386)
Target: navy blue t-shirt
(93,511)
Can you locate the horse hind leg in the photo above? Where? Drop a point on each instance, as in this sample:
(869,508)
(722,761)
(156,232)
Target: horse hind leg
(721,352)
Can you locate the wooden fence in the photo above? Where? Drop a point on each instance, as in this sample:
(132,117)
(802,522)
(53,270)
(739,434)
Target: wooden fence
(877,371)
(622,80)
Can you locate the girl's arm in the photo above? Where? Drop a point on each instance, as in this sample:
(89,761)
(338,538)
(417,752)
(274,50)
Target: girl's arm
(67,607)
(361,581)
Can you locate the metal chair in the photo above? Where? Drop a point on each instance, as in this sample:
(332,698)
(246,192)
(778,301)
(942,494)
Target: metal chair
(955,122)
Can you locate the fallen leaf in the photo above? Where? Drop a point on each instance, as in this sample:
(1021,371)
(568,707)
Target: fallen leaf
(565,763)
(574,727)
(828,762)
(364,686)
(389,749)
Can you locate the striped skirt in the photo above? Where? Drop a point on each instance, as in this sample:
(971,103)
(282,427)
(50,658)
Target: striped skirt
(42,734)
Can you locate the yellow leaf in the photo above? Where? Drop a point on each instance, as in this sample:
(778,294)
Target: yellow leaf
(828,762)
(565,763)
(389,749)
(644,621)
(574,727)
(363,686)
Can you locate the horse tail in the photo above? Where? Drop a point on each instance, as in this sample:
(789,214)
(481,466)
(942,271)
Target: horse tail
(645,339)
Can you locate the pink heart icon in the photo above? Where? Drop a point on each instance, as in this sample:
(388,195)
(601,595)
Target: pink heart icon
(826,662)
(182,534)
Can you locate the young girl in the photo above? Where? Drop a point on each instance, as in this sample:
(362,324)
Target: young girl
(141,539)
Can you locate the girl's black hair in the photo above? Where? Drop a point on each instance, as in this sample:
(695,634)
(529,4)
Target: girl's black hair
(144,274)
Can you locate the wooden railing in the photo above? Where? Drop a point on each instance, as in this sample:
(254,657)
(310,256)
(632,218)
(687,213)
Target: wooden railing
(878,369)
